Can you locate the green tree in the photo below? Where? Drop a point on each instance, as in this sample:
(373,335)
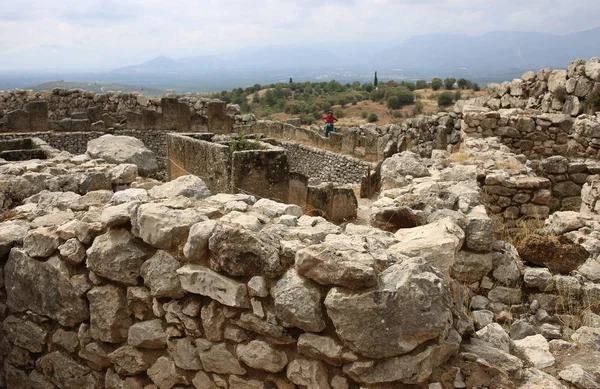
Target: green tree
(393,102)
(375,81)
(476,87)
(372,118)
(449,83)
(421,84)
(445,99)
(368,87)
(291,82)
(463,83)
(436,83)
(457,96)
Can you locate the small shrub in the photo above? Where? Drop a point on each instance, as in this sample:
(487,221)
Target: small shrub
(457,95)
(436,83)
(364,114)
(397,114)
(419,107)
(241,143)
(372,118)
(421,84)
(449,83)
(445,98)
(338,113)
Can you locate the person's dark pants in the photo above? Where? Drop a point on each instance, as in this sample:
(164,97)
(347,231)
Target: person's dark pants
(328,129)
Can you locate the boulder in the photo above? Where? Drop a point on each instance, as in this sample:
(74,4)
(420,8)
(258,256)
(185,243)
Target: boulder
(117,256)
(217,358)
(147,334)
(262,356)
(398,166)
(24,334)
(298,302)
(325,348)
(576,375)
(561,222)
(494,356)
(437,243)
(273,208)
(471,266)
(162,226)
(555,253)
(201,280)
(35,286)
(536,350)
(160,275)
(65,373)
(41,242)
(308,373)
(240,252)
(165,374)
(187,186)
(11,233)
(592,69)
(109,317)
(196,246)
(588,337)
(184,353)
(123,149)
(410,305)
(129,360)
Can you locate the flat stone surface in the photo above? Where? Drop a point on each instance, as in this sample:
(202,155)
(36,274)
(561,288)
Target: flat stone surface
(201,280)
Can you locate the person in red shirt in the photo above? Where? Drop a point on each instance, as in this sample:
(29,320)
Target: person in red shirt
(329,120)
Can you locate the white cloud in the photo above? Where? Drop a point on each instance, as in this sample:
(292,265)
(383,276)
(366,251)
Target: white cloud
(109,33)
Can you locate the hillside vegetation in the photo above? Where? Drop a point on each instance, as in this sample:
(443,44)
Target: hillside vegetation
(353,103)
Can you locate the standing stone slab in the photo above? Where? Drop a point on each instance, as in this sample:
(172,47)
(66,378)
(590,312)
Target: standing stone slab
(410,305)
(116,256)
(42,289)
(201,280)
(109,317)
(298,302)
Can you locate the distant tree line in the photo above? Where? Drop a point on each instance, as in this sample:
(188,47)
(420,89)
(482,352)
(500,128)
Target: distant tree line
(309,100)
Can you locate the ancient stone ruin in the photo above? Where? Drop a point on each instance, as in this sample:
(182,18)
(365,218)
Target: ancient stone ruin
(141,246)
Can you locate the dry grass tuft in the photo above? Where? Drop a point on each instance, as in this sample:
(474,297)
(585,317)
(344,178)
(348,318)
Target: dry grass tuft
(460,157)
(11,214)
(526,227)
(510,163)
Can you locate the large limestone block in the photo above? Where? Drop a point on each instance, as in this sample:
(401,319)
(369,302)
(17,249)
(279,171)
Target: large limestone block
(397,167)
(162,226)
(123,149)
(262,356)
(409,369)
(201,280)
(308,373)
(160,275)
(298,302)
(184,353)
(24,333)
(116,215)
(479,234)
(147,334)
(11,232)
(536,349)
(592,69)
(117,256)
(188,186)
(410,305)
(273,208)
(43,289)
(217,358)
(240,252)
(196,246)
(333,264)
(588,337)
(436,242)
(65,373)
(109,316)
(557,79)
(129,360)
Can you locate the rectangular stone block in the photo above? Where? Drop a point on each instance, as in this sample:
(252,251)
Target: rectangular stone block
(201,280)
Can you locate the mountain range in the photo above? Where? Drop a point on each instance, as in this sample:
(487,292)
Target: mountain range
(492,52)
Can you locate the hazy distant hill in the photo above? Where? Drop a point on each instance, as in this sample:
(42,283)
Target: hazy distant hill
(490,53)
(96,87)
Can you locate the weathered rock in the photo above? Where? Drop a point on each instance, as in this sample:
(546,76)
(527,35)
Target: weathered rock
(43,289)
(437,243)
(117,256)
(217,359)
(41,242)
(124,173)
(213,321)
(65,373)
(96,355)
(479,234)
(521,329)
(272,208)
(24,333)
(277,333)
(494,356)
(536,350)
(184,353)
(308,373)
(236,382)
(130,195)
(262,356)
(201,280)
(160,275)
(139,302)
(539,278)
(555,253)
(331,264)
(165,374)
(240,252)
(537,379)
(188,186)
(128,360)
(397,321)
(257,286)
(495,335)
(470,266)
(123,149)
(66,339)
(109,317)
(588,337)
(196,246)
(11,232)
(117,215)
(482,318)
(72,251)
(162,226)
(576,375)
(202,381)
(325,349)
(298,302)
(147,334)
(400,165)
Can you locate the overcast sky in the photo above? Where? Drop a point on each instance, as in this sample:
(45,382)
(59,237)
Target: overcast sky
(36,34)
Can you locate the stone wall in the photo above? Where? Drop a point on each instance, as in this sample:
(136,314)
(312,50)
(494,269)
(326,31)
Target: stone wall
(551,91)
(262,173)
(590,196)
